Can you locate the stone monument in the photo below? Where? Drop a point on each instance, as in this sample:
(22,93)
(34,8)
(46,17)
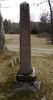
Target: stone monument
(25,43)
(2,34)
(26,76)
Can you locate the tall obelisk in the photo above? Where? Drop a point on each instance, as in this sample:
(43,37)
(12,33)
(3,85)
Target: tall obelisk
(25,72)
(25,43)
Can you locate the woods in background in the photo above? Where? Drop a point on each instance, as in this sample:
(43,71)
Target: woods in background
(36,27)
(10,28)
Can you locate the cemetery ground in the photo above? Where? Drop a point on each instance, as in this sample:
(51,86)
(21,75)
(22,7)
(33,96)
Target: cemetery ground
(42,61)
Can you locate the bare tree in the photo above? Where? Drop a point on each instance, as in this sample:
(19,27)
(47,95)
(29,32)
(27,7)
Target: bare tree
(44,18)
(51,15)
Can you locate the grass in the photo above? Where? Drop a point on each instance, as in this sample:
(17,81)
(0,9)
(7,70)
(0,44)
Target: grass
(42,63)
(5,69)
(44,67)
(35,40)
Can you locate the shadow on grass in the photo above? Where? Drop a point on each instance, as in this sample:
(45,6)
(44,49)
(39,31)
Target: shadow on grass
(8,93)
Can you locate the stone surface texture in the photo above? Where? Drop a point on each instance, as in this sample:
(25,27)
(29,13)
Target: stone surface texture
(25,70)
(2,34)
(25,43)
(26,75)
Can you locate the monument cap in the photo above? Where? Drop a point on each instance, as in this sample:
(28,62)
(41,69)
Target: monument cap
(24,5)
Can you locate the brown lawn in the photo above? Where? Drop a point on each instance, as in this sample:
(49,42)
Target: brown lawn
(43,64)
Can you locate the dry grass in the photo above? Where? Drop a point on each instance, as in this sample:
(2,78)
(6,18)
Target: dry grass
(44,68)
(13,38)
(43,64)
(35,41)
(6,71)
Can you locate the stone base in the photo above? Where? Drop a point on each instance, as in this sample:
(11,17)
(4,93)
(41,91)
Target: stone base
(32,87)
(27,78)
(27,82)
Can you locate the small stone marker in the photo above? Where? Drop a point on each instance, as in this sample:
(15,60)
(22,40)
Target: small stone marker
(26,75)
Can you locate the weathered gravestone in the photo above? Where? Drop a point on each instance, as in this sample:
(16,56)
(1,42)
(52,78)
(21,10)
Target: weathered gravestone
(2,34)
(26,76)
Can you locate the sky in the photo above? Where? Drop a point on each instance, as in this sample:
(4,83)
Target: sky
(10,9)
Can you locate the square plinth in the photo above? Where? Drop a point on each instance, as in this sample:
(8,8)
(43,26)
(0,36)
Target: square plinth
(27,82)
